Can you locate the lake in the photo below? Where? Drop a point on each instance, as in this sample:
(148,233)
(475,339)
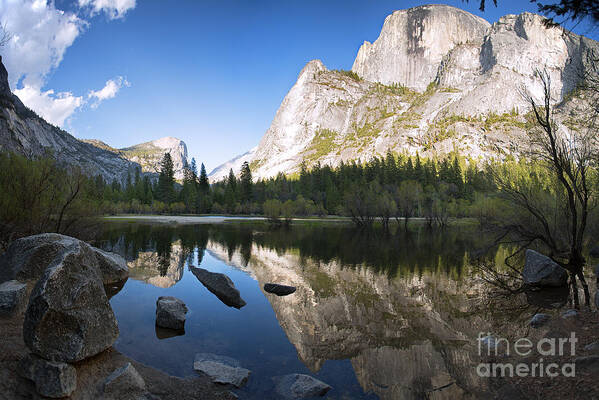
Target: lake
(375,315)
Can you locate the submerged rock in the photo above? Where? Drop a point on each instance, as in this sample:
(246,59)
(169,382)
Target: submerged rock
(299,386)
(166,333)
(125,383)
(540,270)
(12,297)
(221,369)
(220,285)
(68,317)
(170,313)
(539,320)
(27,258)
(279,290)
(52,379)
(594,252)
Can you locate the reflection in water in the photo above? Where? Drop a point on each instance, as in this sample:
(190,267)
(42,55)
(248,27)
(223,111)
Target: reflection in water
(400,308)
(155,258)
(113,288)
(166,333)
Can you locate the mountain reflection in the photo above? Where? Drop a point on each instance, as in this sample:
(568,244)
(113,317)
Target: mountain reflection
(395,304)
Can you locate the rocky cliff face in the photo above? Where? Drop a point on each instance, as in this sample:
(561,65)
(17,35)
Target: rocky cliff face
(413,43)
(437,79)
(23,132)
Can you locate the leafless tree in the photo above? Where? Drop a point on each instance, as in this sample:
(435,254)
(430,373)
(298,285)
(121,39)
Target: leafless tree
(5,35)
(568,156)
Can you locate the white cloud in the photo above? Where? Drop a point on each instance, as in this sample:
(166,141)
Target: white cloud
(114,9)
(108,91)
(55,108)
(40,36)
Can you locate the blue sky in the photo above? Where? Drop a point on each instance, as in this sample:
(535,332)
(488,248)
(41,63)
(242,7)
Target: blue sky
(211,73)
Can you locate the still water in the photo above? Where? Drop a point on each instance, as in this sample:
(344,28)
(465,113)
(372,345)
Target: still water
(375,315)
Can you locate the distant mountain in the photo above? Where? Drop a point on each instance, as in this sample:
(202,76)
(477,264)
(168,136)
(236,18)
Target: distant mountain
(222,171)
(436,80)
(22,131)
(150,154)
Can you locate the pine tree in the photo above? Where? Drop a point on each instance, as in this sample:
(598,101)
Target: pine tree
(193,167)
(204,184)
(189,193)
(231,192)
(245,179)
(166,180)
(390,168)
(304,180)
(409,169)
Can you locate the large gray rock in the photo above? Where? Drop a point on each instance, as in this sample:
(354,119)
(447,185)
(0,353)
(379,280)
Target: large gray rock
(540,270)
(221,286)
(221,369)
(299,386)
(27,258)
(12,297)
(112,266)
(125,383)
(52,379)
(170,312)
(68,317)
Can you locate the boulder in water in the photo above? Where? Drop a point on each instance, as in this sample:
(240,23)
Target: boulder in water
(170,313)
(279,290)
(221,369)
(220,285)
(299,386)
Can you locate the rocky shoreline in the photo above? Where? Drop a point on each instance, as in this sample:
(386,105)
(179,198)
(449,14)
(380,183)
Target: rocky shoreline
(58,328)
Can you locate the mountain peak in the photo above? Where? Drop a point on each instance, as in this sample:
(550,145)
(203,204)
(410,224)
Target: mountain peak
(168,142)
(412,44)
(437,80)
